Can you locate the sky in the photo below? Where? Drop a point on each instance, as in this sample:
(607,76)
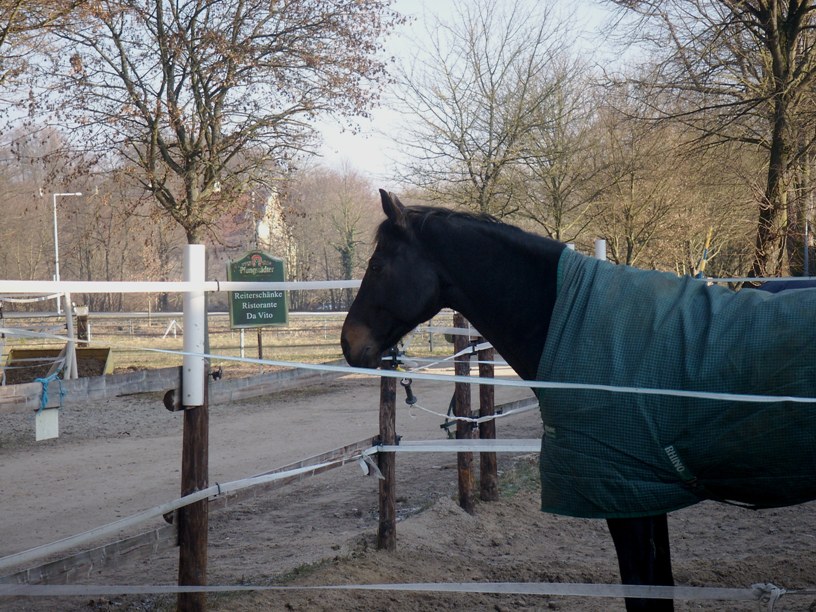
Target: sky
(371,150)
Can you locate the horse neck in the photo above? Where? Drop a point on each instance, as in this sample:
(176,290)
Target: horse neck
(504,284)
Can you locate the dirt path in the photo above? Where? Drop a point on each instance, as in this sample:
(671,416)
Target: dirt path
(117,458)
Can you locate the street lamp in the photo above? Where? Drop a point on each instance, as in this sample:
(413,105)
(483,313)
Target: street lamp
(56,242)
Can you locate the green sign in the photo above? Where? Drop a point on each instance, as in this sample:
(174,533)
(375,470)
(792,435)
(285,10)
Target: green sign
(257,308)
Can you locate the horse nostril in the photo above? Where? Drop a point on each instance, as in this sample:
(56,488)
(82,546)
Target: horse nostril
(352,358)
(356,343)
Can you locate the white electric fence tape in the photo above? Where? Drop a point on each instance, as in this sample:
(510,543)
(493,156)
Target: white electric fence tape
(220,489)
(760,592)
(761,279)
(42,287)
(518,445)
(33,287)
(465,351)
(42,298)
(59,546)
(525,406)
(474,380)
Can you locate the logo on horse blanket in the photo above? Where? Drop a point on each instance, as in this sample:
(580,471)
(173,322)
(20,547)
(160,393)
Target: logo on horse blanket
(614,455)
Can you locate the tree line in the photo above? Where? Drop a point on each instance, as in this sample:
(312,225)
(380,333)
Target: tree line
(700,135)
(192,121)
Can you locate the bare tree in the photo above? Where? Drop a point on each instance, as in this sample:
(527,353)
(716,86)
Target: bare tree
(26,237)
(333,214)
(475,95)
(741,71)
(559,176)
(27,167)
(22,25)
(103,236)
(639,194)
(201,94)
(662,205)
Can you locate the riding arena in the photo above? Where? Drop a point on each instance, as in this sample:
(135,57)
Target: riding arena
(330,487)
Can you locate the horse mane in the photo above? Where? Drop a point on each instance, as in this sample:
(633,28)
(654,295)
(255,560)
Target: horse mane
(418,215)
(423,213)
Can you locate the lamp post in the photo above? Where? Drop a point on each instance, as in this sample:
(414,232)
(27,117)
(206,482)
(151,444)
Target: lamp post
(56,241)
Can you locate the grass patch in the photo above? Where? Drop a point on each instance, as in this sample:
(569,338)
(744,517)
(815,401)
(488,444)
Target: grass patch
(523,475)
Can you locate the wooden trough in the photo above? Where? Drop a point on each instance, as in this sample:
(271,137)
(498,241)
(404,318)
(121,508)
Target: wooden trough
(24,365)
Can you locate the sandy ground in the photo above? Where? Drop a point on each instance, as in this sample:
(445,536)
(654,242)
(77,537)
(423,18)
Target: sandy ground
(119,457)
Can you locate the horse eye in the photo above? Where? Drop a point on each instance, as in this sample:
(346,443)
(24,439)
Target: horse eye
(375,264)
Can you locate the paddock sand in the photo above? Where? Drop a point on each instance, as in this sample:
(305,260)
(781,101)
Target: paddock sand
(118,457)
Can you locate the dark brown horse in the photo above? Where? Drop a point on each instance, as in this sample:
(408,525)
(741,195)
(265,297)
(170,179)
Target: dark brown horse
(507,282)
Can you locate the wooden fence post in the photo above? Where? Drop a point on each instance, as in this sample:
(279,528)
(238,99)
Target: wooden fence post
(386,462)
(488,467)
(464,430)
(193,519)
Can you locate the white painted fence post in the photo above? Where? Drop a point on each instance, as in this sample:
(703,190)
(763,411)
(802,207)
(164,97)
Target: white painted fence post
(71,370)
(600,248)
(194,328)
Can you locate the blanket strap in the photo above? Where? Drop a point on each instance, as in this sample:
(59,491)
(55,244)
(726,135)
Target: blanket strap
(694,485)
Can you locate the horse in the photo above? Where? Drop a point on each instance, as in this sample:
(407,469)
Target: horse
(556,315)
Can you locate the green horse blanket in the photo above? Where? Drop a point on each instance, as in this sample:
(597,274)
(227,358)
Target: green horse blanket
(608,455)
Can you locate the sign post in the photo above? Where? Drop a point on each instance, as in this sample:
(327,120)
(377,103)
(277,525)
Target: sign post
(257,308)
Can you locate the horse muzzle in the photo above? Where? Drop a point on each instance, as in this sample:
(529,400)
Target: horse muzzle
(359,347)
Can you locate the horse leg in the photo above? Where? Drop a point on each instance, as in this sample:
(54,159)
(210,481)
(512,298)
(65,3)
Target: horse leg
(644,558)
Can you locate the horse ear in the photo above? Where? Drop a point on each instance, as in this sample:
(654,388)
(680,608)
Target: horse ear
(393,208)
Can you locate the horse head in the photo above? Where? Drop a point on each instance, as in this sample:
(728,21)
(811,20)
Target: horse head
(400,289)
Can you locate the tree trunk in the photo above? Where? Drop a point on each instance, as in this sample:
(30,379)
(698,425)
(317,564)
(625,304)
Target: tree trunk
(797,228)
(770,237)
